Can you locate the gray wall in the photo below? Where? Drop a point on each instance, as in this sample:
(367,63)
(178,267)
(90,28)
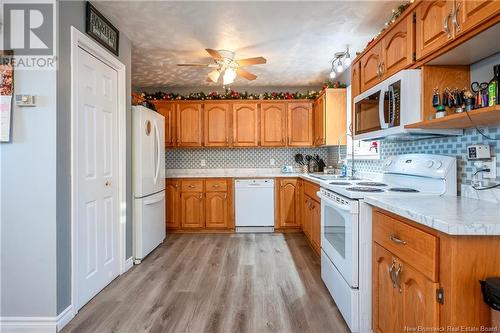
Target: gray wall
(28,201)
(72,13)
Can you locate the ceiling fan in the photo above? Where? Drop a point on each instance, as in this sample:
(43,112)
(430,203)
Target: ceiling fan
(224,63)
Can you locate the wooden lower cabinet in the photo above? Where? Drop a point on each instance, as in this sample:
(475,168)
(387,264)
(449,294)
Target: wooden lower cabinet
(311,214)
(172,209)
(192,210)
(288,198)
(216,212)
(199,204)
(408,295)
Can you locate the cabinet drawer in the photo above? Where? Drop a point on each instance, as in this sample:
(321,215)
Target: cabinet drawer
(192,186)
(216,185)
(418,248)
(310,189)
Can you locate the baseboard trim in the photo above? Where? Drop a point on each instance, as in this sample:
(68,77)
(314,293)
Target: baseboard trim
(36,324)
(65,317)
(129,263)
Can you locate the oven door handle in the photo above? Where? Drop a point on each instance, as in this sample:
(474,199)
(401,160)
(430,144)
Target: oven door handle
(334,203)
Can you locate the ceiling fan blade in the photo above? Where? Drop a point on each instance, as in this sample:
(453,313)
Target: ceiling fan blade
(246,74)
(195,65)
(251,61)
(214,54)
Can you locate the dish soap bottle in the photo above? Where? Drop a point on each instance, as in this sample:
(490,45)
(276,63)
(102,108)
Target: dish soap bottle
(344,168)
(493,87)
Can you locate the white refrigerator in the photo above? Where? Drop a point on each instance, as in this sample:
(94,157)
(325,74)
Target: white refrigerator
(148,173)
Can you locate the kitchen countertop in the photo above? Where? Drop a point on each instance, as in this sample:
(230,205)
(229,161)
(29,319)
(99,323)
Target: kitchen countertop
(450,215)
(236,173)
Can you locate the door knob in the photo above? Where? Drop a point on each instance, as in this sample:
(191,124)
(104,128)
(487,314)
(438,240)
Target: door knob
(107,183)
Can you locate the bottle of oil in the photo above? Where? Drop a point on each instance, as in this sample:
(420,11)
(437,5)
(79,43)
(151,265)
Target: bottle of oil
(493,97)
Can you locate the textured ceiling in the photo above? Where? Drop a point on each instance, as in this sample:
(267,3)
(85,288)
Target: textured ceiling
(298,38)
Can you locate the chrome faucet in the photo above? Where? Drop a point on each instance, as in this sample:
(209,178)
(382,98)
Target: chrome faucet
(351,134)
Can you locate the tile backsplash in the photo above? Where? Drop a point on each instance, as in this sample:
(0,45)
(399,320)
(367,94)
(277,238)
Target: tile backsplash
(219,158)
(451,146)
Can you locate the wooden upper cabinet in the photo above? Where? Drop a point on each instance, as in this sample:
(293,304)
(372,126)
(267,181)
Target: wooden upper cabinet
(216,129)
(397,47)
(167,110)
(172,204)
(355,79)
(300,125)
(272,124)
(245,125)
(289,210)
(469,14)
(189,125)
(370,67)
(386,299)
(319,120)
(216,211)
(434,27)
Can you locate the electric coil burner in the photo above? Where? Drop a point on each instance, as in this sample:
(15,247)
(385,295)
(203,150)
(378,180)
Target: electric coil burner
(371,184)
(364,189)
(403,189)
(340,183)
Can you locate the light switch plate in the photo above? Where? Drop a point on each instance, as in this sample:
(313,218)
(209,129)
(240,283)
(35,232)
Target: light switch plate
(25,100)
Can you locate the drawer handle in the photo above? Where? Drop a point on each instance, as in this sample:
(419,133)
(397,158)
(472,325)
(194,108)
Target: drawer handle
(191,186)
(216,185)
(397,240)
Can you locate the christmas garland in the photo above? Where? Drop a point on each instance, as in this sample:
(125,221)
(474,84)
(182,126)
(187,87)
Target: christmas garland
(233,94)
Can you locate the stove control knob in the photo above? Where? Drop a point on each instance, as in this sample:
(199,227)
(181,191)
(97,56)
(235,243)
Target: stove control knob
(438,165)
(430,163)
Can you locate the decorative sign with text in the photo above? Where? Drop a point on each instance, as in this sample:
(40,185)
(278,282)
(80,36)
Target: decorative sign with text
(101,29)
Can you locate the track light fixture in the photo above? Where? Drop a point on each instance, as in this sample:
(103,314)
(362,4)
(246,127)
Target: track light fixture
(340,61)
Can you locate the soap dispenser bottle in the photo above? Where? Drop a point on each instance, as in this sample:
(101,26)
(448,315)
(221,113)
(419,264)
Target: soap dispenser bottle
(493,87)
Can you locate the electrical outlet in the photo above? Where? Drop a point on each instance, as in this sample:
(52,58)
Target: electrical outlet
(492,165)
(203,163)
(272,161)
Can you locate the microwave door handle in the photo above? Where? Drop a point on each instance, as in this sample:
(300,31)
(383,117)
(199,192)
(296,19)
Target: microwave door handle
(392,114)
(381,101)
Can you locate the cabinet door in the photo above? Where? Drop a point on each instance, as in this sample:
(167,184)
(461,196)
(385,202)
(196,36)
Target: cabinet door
(397,47)
(192,210)
(316,225)
(300,124)
(370,66)
(355,80)
(307,217)
(189,125)
(172,204)
(470,14)
(272,124)
(288,205)
(319,121)
(245,125)
(433,26)
(216,129)
(386,298)
(216,210)
(167,109)
(420,307)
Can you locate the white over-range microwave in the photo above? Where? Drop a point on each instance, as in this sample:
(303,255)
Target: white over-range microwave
(383,110)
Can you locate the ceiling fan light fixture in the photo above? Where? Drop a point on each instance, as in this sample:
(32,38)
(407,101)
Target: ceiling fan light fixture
(229,76)
(214,75)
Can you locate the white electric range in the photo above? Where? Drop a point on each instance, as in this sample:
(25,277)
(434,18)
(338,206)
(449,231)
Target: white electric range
(346,230)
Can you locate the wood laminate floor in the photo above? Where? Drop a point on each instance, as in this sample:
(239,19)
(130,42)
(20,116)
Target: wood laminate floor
(217,283)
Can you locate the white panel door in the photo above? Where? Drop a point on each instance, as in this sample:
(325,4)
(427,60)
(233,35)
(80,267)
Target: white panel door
(96,162)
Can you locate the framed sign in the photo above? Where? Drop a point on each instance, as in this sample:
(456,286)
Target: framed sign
(101,29)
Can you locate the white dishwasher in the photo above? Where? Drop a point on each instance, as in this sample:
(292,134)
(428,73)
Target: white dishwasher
(254,205)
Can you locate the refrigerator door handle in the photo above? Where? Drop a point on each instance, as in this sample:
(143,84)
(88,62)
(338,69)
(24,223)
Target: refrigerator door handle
(157,152)
(156,200)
